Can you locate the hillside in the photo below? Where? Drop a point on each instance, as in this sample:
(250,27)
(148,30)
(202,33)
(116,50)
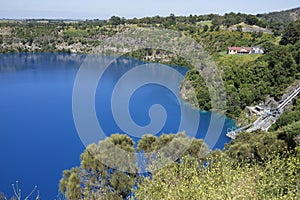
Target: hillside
(249,28)
(283,17)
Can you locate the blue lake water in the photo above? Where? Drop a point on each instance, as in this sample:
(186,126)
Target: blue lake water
(38,138)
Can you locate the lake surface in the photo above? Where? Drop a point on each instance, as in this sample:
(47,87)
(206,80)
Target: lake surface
(38,138)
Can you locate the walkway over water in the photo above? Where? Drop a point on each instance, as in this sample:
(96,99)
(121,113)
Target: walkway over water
(267,117)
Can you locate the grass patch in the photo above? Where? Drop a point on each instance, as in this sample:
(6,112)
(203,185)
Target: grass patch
(208,23)
(225,60)
(72,32)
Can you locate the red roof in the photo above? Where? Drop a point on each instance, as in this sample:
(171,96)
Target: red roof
(240,49)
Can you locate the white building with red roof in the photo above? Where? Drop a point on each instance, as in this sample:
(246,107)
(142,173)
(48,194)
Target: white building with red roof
(245,50)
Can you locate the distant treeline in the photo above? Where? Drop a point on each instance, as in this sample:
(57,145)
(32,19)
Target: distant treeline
(275,21)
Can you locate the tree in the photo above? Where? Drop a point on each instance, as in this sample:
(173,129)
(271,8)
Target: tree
(291,34)
(251,20)
(231,19)
(169,148)
(101,172)
(256,147)
(115,21)
(296,53)
(170,20)
(288,117)
(290,134)
(282,66)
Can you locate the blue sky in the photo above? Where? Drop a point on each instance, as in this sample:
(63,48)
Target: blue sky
(104,9)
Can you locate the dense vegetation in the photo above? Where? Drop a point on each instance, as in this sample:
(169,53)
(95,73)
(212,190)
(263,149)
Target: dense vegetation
(251,79)
(224,178)
(51,35)
(283,17)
